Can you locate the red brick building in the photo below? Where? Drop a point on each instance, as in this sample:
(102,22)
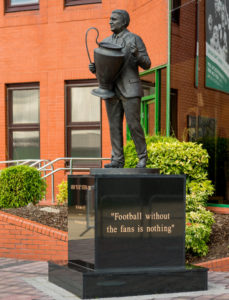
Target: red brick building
(202,110)
(46,107)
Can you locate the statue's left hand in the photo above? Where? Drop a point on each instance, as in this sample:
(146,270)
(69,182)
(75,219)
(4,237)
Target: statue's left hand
(133,47)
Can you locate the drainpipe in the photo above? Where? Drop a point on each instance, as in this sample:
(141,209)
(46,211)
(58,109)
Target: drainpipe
(197,46)
(168,72)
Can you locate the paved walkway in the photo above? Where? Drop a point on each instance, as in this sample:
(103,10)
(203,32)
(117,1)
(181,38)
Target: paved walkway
(27,280)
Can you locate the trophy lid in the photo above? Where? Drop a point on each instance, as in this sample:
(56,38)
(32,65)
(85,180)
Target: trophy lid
(110,46)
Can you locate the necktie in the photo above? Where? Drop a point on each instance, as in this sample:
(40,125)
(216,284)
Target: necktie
(116,39)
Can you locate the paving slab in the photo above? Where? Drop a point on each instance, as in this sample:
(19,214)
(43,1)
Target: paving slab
(28,280)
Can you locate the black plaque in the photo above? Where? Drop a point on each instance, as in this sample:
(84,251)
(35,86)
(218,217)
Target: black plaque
(140,221)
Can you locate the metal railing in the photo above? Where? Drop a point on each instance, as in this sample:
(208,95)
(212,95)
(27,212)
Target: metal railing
(29,162)
(50,168)
(47,167)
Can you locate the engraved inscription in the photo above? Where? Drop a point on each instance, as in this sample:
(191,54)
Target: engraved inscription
(139,222)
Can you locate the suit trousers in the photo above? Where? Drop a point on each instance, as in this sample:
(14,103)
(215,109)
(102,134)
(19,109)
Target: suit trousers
(116,108)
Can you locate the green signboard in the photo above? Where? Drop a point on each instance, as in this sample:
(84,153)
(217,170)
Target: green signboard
(217,40)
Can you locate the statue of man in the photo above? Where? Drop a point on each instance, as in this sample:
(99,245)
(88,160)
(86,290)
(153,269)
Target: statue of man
(128,91)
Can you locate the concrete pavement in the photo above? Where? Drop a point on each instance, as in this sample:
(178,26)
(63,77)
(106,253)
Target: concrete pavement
(28,280)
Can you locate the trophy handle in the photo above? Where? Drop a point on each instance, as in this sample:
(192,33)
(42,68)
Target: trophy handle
(86,41)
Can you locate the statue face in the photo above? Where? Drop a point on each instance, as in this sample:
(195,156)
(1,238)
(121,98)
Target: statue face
(117,23)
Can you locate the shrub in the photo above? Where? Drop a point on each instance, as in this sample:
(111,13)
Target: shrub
(198,193)
(20,185)
(171,156)
(198,230)
(131,157)
(196,237)
(62,197)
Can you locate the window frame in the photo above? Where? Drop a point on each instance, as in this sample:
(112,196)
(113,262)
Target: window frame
(80,2)
(22,126)
(69,126)
(20,7)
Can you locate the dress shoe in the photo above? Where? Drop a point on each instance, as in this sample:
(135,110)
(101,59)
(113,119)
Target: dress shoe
(114,164)
(141,163)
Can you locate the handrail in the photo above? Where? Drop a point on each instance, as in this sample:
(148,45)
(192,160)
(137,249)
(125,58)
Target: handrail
(65,169)
(23,161)
(72,158)
(70,168)
(38,162)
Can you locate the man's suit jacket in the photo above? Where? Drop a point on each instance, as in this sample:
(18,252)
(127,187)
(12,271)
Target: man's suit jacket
(128,83)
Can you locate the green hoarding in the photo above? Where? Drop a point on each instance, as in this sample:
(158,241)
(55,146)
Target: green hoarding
(217,40)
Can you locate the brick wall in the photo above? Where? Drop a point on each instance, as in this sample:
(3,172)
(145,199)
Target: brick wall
(216,265)
(219,210)
(48,46)
(199,101)
(25,239)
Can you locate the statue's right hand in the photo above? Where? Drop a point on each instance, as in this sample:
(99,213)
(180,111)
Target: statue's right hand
(92,68)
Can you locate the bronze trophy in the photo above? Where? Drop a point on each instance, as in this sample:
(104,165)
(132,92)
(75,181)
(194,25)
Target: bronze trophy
(109,60)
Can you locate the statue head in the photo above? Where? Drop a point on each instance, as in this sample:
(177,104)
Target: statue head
(119,20)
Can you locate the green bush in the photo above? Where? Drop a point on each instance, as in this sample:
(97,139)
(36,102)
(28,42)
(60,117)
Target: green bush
(20,185)
(131,158)
(198,193)
(62,196)
(171,156)
(198,230)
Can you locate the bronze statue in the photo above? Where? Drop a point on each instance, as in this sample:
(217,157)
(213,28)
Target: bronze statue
(127,91)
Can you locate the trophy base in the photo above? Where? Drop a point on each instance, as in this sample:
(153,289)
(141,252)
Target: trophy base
(103,93)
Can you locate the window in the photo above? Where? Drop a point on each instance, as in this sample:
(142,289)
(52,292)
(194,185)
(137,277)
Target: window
(147,107)
(23,108)
(176,11)
(80,2)
(20,5)
(83,122)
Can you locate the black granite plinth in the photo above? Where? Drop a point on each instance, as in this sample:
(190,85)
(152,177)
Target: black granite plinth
(88,283)
(126,235)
